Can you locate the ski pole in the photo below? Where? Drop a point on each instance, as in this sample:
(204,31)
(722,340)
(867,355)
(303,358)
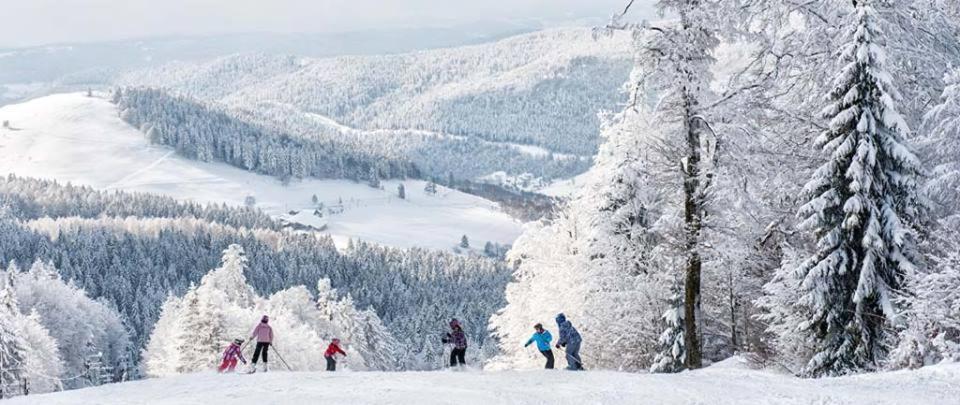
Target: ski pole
(281,357)
(579,354)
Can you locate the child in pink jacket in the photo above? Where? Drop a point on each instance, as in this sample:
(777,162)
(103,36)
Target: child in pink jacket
(231,355)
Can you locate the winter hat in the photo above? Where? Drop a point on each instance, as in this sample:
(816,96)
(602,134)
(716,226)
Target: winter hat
(238,341)
(454,323)
(538,326)
(561,318)
(265,319)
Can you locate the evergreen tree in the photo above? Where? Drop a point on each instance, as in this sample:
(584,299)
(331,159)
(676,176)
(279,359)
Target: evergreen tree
(202,333)
(862,205)
(160,357)
(672,356)
(373,179)
(12,347)
(464,242)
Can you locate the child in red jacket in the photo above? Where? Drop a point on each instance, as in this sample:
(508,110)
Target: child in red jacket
(332,350)
(231,355)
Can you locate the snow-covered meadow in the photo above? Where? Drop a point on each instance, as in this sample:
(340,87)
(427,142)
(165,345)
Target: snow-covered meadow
(728,382)
(79,139)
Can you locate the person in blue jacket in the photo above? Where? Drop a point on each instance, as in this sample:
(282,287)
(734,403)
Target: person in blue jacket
(569,338)
(543,338)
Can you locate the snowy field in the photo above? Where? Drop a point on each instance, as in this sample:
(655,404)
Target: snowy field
(724,383)
(71,137)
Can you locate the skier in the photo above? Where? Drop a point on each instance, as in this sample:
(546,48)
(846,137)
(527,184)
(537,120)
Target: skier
(543,338)
(231,355)
(569,338)
(264,334)
(332,351)
(459,340)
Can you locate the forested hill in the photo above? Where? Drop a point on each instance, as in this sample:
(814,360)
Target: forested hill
(543,89)
(207,133)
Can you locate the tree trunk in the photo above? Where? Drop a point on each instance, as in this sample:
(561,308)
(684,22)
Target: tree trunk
(734,336)
(692,217)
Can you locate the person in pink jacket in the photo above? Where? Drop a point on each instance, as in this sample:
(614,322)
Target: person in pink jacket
(264,335)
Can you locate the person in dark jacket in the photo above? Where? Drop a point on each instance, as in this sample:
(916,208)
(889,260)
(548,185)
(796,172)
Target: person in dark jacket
(543,338)
(331,352)
(570,339)
(459,341)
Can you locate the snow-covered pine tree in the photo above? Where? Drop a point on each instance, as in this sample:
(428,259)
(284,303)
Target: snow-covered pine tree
(862,205)
(361,331)
(373,178)
(430,188)
(201,333)
(12,347)
(160,358)
(228,281)
(672,354)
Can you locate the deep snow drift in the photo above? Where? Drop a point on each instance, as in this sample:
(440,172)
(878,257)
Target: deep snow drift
(71,137)
(728,382)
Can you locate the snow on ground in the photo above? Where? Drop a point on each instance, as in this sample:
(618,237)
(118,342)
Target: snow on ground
(565,188)
(935,385)
(71,137)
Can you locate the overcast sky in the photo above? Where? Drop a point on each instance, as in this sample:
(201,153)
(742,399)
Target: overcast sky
(35,22)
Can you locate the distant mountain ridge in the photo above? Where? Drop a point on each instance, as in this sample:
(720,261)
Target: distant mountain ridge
(544,88)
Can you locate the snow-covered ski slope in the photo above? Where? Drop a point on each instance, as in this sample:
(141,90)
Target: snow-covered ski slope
(71,137)
(724,383)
